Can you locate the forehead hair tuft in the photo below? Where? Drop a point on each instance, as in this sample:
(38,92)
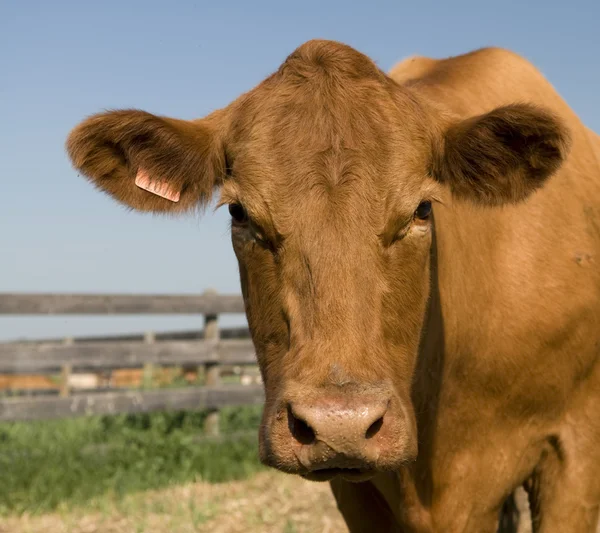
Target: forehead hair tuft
(329,59)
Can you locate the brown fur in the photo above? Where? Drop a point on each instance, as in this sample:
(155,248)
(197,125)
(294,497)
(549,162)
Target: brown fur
(503,155)
(109,148)
(479,327)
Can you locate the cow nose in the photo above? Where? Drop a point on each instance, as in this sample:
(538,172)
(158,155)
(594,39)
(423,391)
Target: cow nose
(334,423)
(338,432)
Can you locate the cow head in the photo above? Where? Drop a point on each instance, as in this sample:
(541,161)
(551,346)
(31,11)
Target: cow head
(329,170)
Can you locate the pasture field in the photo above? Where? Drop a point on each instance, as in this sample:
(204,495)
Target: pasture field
(268,502)
(74,462)
(151,473)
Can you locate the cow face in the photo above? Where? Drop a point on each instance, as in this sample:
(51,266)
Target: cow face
(329,170)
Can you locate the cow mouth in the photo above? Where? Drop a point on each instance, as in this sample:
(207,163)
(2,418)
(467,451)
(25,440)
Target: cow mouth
(355,475)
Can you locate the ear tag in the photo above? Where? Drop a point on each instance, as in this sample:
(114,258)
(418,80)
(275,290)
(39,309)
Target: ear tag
(160,188)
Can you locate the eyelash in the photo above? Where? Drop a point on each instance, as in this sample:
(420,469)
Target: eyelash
(422,213)
(240,219)
(238,214)
(421,216)
(425,208)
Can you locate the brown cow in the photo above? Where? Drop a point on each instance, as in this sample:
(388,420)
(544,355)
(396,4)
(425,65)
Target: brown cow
(426,365)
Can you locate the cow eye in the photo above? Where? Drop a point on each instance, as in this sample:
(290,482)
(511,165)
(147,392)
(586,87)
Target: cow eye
(238,213)
(423,211)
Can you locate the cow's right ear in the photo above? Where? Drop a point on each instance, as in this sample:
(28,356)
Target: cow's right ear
(150,163)
(502,156)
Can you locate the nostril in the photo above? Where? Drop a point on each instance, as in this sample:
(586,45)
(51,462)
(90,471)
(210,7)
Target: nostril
(300,430)
(374,428)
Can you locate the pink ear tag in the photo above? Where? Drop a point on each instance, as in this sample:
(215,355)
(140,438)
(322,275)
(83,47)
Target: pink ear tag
(160,188)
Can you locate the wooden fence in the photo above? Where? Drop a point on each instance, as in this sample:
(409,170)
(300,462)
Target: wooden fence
(210,351)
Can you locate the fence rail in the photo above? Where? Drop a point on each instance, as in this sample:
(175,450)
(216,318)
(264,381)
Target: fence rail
(177,335)
(191,398)
(118,304)
(94,356)
(210,349)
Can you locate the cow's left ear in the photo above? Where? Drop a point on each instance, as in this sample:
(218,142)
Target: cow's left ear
(149,162)
(502,156)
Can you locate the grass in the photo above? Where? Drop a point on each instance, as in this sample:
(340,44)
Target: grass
(151,473)
(268,502)
(96,462)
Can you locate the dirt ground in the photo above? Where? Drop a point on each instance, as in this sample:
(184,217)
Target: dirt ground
(270,502)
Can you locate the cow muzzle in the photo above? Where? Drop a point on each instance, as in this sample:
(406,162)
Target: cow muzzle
(321,434)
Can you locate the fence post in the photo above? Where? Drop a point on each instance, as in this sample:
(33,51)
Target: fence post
(65,373)
(148,373)
(212,371)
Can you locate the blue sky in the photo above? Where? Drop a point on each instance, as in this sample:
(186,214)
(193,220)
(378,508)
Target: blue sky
(62,60)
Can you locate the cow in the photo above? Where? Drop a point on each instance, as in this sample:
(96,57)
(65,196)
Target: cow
(418,256)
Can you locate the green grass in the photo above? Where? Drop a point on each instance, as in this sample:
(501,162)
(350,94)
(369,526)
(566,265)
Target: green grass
(59,464)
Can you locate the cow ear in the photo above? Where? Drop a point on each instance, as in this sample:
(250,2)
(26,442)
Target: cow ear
(147,162)
(502,156)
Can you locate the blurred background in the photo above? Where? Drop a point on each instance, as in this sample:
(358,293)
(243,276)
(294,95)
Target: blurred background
(63,60)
